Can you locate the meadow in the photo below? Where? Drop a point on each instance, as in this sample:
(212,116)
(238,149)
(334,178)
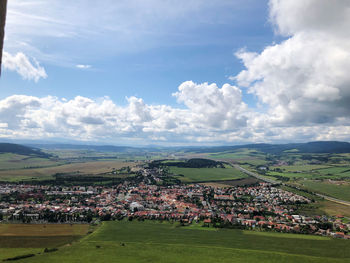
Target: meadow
(295,172)
(331,189)
(339,171)
(151,241)
(206,174)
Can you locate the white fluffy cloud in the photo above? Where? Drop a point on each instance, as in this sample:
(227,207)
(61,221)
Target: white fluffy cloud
(214,107)
(209,115)
(30,70)
(303,80)
(208,109)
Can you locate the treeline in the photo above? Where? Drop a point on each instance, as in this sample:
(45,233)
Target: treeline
(191,163)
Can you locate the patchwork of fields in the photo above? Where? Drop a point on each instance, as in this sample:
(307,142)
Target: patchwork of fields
(10,161)
(151,241)
(90,168)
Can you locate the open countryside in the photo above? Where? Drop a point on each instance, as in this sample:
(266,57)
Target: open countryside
(136,241)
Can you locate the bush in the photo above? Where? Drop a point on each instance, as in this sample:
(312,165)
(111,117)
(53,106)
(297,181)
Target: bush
(48,250)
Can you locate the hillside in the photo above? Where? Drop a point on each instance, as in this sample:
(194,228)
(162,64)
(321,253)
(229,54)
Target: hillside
(151,241)
(21,149)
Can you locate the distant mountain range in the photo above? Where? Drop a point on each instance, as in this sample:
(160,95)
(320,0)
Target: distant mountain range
(97,148)
(309,147)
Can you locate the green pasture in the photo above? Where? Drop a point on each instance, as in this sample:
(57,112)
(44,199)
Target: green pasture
(341,171)
(152,241)
(300,168)
(296,172)
(206,174)
(338,191)
(292,175)
(241,154)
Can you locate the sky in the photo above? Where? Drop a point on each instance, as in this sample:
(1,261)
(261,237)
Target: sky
(184,72)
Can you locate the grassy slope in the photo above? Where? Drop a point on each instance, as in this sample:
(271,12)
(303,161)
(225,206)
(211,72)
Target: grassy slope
(206,174)
(155,242)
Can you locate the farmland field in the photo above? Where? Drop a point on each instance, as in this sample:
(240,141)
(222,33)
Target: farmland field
(331,189)
(340,171)
(42,230)
(242,155)
(91,168)
(301,168)
(21,239)
(9,161)
(206,174)
(151,241)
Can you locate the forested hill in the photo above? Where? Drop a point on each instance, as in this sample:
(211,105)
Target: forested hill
(310,147)
(21,149)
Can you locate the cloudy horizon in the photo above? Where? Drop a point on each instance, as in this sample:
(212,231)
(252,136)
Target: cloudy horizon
(201,73)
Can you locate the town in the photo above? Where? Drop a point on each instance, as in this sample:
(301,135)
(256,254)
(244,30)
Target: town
(261,207)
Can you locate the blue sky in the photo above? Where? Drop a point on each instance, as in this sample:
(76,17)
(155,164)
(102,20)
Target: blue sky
(155,71)
(153,68)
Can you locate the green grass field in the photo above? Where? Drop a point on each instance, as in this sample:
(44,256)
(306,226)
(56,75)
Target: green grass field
(250,156)
(292,176)
(164,242)
(206,174)
(311,172)
(334,190)
(301,168)
(340,171)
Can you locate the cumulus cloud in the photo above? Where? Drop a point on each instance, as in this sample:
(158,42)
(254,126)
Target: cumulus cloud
(220,108)
(304,79)
(101,119)
(30,70)
(207,109)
